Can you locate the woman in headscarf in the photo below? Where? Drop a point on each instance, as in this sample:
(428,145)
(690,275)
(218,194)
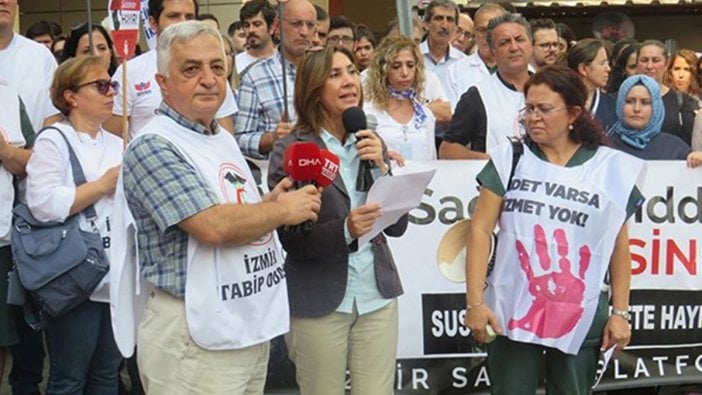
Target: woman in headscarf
(641,112)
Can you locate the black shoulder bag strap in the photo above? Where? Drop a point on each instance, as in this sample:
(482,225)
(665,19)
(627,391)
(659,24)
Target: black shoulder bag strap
(517,151)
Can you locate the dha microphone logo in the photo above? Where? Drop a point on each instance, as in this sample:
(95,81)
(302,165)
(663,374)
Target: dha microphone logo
(304,162)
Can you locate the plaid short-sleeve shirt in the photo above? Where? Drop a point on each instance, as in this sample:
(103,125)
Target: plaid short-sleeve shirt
(163,189)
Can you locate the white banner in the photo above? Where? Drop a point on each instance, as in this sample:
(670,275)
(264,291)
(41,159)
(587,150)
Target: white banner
(666,304)
(149,32)
(436,353)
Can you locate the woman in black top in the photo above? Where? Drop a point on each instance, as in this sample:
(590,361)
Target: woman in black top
(679,107)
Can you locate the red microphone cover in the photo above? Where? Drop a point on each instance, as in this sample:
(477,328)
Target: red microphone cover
(302,161)
(330,168)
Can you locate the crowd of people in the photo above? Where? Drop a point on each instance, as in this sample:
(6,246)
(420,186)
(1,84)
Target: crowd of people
(182,204)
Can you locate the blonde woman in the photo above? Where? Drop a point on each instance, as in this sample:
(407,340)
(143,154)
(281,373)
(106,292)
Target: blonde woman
(394,93)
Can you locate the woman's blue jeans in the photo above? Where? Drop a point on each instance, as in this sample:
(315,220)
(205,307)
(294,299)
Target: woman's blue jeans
(83,356)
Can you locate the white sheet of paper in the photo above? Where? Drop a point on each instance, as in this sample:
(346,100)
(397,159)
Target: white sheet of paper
(397,195)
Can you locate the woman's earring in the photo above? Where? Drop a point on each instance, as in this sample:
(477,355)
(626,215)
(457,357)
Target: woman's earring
(570,127)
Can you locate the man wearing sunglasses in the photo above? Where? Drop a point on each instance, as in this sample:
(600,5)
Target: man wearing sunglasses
(143,93)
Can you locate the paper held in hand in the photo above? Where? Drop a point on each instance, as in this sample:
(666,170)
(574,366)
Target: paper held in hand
(397,195)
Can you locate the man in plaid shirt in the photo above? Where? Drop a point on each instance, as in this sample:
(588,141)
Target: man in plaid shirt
(262,118)
(197,211)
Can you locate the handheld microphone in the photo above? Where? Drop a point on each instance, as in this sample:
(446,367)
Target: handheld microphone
(303,163)
(330,168)
(354,119)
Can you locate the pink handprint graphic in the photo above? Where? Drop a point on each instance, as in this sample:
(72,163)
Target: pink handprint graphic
(558,296)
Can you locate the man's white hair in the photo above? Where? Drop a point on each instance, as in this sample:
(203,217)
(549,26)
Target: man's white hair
(180,33)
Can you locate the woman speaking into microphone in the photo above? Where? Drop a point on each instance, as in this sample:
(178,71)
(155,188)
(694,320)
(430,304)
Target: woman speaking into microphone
(342,294)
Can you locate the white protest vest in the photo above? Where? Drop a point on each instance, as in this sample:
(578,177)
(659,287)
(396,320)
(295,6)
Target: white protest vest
(235,297)
(129,290)
(558,228)
(502,107)
(11,131)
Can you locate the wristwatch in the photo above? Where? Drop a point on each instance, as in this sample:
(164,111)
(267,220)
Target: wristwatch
(622,313)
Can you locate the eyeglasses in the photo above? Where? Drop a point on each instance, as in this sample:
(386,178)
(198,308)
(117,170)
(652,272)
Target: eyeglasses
(339,39)
(540,110)
(467,35)
(546,46)
(102,86)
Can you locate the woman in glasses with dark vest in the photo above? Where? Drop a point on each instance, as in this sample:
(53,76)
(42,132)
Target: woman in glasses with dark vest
(82,352)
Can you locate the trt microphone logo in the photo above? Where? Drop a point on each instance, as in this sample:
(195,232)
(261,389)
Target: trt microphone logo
(330,169)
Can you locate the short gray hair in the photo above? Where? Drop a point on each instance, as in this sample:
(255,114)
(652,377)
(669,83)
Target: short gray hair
(180,33)
(507,18)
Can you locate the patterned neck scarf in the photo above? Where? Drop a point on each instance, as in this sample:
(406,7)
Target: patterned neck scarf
(410,94)
(639,138)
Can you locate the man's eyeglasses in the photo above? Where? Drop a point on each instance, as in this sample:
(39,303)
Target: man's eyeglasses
(102,86)
(466,34)
(546,46)
(340,39)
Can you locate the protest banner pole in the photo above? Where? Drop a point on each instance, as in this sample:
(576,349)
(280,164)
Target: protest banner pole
(90,28)
(125,129)
(282,62)
(404,17)
(124,18)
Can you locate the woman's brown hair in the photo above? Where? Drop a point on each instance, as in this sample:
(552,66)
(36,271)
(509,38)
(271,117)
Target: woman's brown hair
(567,83)
(68,76)
(311,75)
